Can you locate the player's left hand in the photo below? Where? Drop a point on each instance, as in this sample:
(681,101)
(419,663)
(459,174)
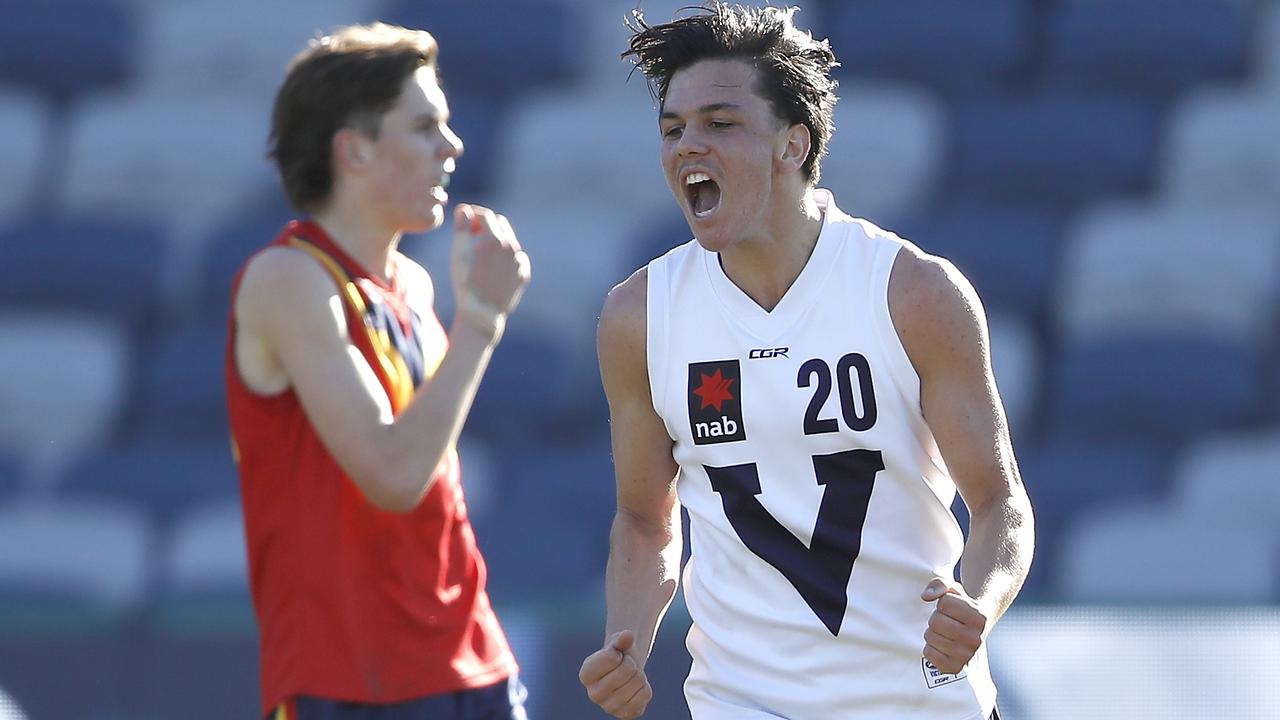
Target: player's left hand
(956,627)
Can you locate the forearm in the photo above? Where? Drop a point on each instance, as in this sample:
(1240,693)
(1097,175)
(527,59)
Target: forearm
(422,435)
(642,576)
(998,553)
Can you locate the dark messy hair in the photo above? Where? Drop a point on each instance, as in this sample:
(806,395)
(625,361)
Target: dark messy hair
(793,70)
(349,78)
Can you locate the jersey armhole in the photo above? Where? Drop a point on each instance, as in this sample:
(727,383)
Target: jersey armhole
(900,366)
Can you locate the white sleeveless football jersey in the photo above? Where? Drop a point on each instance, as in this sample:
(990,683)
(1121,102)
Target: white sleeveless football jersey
(819,504)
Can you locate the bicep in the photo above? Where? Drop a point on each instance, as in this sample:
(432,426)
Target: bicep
(293,308)
(944,330)
(642,449)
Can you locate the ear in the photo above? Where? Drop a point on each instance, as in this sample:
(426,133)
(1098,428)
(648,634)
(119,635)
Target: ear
(795,146)
(350,149)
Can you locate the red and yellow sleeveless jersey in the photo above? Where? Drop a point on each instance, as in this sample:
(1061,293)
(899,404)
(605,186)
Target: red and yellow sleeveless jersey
(355,603)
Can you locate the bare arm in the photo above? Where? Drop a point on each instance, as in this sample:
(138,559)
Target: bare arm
(944,330)
(290,319)
(645,543)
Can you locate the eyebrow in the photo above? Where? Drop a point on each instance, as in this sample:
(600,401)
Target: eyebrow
(705,109)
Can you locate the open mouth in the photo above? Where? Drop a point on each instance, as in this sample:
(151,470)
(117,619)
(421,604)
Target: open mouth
(702,194)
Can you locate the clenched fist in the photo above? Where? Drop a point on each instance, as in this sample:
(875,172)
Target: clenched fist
(489,269)
(956,627)
(614,680)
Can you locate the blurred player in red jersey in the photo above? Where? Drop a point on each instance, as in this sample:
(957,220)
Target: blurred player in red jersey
(347,397)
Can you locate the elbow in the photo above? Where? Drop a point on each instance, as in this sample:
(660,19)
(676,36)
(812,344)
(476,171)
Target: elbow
(391,492)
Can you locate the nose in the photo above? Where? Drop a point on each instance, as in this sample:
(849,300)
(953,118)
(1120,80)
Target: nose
(690,142)
(452,147)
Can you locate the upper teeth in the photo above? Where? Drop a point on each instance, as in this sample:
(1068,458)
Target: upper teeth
(697,178)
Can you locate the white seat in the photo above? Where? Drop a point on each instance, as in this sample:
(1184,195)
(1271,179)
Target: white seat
(1156,553)
(1235,479)
(596,151)
(238,48)
(1212,271)
(577,257)
(22,125)
(1015,360)
(207,551)
(885,152)
(184,160)
(1222,149)
(95,551)
(63,380)
(1267,48)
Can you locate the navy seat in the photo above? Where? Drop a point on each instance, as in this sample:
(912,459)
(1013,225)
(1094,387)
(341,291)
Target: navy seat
(502,48)
(181,391)
(1147,45)
(975,46)
(229,246)
(65,48)
(1066,477)
(1009,253)
(1053,148)
(1159,387)
(548,530)
(164,478)
(529,390)
(107,269)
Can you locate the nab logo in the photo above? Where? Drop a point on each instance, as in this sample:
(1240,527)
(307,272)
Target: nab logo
(715,402)
(768,353)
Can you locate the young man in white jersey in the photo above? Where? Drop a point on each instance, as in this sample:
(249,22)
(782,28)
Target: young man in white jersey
(813,390)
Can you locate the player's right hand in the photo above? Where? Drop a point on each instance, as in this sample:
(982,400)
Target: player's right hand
(614,680)
(489,269)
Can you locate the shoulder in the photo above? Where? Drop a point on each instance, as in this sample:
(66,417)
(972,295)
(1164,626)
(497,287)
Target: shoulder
(622,320)
(934,308)
(282,283)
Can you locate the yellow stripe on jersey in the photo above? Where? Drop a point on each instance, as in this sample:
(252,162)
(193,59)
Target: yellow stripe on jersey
(393,363)
(282,712)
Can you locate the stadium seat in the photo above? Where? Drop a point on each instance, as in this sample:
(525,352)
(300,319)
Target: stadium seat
(1066,477)
(529,390)
(505,48)
(1155,387)
(1146,46)
(1015,360)
(22,124)
(1151,553)
(1220,150)
(184,161)
(607,157)
(577,256)
(165,479)
(236,50)
(1052,148)
(1212,270)
(181,390)
(109,269)
(606,34)
(886,152)
(84,556)
(1233,479)
(1009,252)
(550,533)
(1266,48)
(963,48)
(67,48)
(63,380)
(10,475)
(248,229)
(205,556)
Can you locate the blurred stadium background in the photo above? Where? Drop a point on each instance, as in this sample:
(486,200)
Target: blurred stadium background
(1101,170)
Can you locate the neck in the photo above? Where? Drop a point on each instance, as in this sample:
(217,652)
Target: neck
(360,236)
(766,266)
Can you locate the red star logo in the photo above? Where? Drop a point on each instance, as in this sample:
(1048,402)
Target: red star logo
(714,390)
